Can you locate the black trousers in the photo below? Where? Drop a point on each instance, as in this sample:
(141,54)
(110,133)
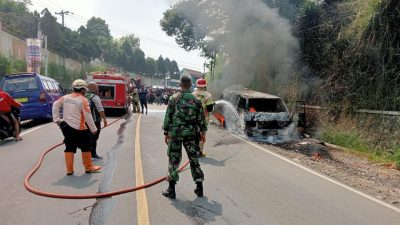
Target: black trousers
(74,139)
(143,104)
(94,138)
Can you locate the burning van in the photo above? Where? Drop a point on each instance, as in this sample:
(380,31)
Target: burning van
(251,112)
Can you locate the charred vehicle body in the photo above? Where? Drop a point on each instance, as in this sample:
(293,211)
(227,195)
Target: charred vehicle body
(256,113)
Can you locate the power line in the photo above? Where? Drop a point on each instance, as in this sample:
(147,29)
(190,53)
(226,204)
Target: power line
(63,13)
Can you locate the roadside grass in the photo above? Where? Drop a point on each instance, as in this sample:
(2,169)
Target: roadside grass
(365,11)
(355,143)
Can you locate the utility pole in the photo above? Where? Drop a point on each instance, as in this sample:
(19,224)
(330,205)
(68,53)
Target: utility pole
(62,14)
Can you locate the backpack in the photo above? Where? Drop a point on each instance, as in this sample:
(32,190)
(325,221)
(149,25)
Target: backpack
(93,109)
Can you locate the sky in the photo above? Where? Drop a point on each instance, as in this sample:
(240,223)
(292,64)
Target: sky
(139,17)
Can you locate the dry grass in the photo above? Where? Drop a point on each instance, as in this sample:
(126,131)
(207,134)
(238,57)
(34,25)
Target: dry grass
(365,10)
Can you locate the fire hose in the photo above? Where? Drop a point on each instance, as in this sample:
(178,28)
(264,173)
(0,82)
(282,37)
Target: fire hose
(36,191)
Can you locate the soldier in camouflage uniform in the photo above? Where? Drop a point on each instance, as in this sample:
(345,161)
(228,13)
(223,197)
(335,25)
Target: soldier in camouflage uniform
(184,123)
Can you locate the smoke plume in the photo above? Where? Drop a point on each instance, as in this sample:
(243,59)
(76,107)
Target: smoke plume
(258,47)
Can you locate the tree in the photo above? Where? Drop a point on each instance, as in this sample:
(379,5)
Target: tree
(96,37)
(161,69)
(151,66)
(175,73)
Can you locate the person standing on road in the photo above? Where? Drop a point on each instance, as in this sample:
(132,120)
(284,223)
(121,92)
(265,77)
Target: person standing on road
(158,96)
(98,115)
(143,98)
(207,102)
(135,101)
(184,123)
(77,126)
(6,105)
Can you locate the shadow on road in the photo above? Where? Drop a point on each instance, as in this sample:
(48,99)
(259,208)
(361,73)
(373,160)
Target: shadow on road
(200,210)
(77,182)
(218,163)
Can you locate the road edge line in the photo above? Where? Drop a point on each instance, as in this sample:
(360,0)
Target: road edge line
(317,174)
(33,129)
(141,198)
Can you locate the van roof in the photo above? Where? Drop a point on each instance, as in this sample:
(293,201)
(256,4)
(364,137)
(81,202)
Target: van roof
(29,74)
(250,94)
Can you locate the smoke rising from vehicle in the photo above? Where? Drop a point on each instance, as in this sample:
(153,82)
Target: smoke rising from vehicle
(260,47)
(257,44)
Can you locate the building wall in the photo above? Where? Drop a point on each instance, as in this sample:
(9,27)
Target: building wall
(13,47)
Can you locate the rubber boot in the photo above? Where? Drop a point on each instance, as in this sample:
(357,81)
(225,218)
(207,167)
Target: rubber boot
(170,192)
(69,161)
(199,189)
(87,163)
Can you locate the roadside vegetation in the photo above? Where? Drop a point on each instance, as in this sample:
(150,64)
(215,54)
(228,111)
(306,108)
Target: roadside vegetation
(348,60)
(91,41)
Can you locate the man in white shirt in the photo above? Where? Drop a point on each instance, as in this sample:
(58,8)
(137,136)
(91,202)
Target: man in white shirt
(76,125)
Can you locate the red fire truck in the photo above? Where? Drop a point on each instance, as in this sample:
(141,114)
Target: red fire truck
(114,89)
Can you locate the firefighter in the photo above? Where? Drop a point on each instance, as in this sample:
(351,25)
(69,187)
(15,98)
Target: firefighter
(135,101)
(98,115)
(77,126)
(184,123)
(206,101)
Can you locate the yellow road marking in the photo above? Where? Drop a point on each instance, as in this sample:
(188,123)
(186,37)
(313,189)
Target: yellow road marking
(141,199)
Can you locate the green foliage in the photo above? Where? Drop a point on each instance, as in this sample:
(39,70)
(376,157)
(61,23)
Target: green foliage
(396,156)
(9,66)
(352,141)
(62,75)
(5,65)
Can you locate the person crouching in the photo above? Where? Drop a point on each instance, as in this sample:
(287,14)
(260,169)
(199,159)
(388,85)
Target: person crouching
(77,125)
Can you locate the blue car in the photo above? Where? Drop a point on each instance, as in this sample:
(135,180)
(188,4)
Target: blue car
(37,94)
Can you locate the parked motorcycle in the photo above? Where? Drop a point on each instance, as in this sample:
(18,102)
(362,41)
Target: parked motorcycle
(6,125)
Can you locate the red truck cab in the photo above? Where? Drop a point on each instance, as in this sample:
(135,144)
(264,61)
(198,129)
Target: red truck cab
(114,89)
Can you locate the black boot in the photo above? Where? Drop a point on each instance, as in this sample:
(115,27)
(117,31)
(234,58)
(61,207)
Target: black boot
(170,192)
(199,189)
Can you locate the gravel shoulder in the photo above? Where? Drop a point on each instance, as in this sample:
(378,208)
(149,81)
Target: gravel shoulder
(377,180)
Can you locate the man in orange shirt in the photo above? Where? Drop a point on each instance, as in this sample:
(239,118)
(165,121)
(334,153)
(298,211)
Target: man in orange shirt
(6,102)
(76,125)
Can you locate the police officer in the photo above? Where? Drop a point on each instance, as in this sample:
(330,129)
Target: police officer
(184,123)
(207,102)
(76,126)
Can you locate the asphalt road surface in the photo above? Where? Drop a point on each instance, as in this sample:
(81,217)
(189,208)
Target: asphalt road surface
(245,184)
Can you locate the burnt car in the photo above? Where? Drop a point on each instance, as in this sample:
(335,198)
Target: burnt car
(254,113)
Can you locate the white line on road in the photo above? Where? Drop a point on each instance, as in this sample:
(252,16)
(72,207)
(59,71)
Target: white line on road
(318,174)
(33,129)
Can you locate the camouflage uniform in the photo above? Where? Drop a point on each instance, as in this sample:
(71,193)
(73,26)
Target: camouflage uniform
(184,120)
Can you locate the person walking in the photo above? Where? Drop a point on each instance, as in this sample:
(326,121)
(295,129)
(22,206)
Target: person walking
(7,103)
(184,124)
(143,98)
(98,115)
(207,102)
(77,125)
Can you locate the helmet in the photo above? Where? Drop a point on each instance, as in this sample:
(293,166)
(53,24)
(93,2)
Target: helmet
(200,83)
(79,84)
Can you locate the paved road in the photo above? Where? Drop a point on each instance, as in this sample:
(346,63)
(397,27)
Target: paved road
(244,184)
